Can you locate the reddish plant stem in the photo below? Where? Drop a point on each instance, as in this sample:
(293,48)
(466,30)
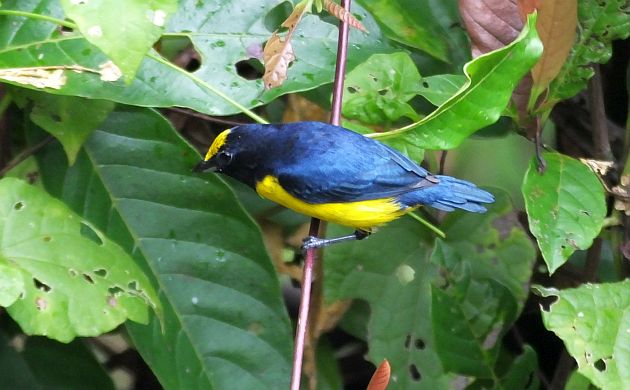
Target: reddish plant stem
(307,277)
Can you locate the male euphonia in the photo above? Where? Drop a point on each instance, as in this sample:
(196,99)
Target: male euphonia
(335,174)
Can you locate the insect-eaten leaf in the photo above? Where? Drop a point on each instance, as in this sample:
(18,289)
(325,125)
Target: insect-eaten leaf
(565,207)
(38,77)
(593,321)
(61,277)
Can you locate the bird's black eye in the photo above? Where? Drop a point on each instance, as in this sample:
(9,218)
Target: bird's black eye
(224,158)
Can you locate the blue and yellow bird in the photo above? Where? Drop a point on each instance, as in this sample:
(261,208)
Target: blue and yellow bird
(335,174)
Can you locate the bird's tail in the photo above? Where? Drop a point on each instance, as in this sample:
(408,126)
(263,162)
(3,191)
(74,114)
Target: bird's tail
(450,194)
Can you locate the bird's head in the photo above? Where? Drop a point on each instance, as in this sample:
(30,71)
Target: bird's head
(219,156)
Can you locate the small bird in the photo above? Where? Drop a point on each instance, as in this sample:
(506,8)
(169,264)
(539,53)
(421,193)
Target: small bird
(334,174)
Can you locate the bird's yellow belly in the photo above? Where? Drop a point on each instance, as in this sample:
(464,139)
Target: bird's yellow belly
(360,215)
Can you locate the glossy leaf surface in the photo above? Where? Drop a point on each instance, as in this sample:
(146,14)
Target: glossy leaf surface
(74,281)
(565,207)
(225,324)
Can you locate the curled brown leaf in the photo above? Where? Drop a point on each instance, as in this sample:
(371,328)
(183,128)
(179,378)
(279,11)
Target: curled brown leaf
(491,24)
(277,55)
(342,14)
(380,378)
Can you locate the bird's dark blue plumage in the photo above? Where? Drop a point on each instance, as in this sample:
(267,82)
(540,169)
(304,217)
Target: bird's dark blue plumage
(321,164)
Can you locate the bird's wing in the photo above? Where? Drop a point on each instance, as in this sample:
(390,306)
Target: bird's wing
(372,171)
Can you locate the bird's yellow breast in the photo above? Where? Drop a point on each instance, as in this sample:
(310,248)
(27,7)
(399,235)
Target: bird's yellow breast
(360,215)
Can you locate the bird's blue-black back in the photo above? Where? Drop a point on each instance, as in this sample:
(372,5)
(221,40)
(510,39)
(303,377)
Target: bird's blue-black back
(321,163)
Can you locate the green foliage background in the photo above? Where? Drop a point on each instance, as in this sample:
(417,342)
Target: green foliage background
(116,226)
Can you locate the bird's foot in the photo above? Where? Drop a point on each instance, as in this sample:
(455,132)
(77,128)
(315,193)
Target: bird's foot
(312,242)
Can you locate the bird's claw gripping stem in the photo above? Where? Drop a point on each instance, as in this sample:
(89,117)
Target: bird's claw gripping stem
(312,242)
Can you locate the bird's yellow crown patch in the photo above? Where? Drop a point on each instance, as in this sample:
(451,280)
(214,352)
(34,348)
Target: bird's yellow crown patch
(216,145)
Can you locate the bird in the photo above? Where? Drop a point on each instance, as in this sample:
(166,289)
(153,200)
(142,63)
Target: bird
(334,174)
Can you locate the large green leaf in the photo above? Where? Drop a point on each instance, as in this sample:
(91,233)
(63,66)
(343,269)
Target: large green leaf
(225,324)
(601,22)
(565,207)
(124,30)
(220,44)
(397,271)
(392,271)
(491,79)
(438,89)
(593,320)
(425,25)
(70,119)
(75,282)
(377,91)
(39,363)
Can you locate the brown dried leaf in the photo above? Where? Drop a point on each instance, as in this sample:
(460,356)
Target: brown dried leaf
(277,55)
(556,25)
(491,24)
(380,378)
(526,7)
(300,109)
(599,167)
(37,77)
(342,14)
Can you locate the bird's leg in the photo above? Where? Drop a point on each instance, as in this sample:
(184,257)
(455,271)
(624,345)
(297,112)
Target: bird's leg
(315,242)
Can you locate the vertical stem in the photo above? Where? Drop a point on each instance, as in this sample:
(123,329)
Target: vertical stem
(307,278)
(598,117)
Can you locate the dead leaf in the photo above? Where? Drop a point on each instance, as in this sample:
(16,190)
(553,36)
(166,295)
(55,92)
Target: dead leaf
(109,71)
(38,77)
(526,7)
(380,378)
(277,55)
(557,28)
(490,24)
(300,109)
(598,166)
(342,14)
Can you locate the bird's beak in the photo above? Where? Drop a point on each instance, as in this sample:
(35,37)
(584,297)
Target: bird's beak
(205,166)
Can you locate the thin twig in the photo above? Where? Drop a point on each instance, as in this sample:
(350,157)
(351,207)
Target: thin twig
(205,117)
(598,117)
(442,162)
(26,153)
(307,279)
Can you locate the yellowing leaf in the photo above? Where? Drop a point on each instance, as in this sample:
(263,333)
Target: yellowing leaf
(557,23)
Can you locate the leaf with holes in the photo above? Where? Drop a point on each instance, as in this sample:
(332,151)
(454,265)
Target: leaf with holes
(484,267)
(216,87)
(75,281)
(493,247)
(565,207)
(600,23)
(225,325)
(593,320)
(491,78)
(378,90)
(70,119)
(438,89)
(124,30)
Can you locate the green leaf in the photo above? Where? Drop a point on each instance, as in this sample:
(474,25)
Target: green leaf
(70,119)
(225,325)
(477,312)
(438,89)
(565,207)
(593,320)
(601,22)
(215,88)
(491,79)
(578,381)
(11,283)
(399,326)
(484,269)
(377,91)
(523,372)
(75,282)
(424,25)
(124,30)
(394,271)
(40,363)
